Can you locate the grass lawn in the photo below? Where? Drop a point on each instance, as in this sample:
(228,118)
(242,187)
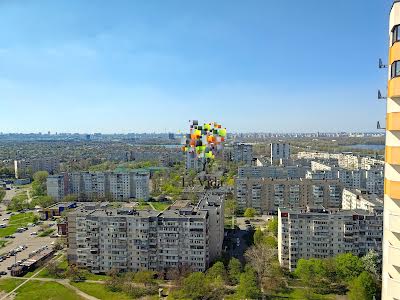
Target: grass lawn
(9,284)
(97,277)
(301,294)
(46,232)
(45,273)
(161,205)
(16,221)
(142,206)
(100,291)
(37,290)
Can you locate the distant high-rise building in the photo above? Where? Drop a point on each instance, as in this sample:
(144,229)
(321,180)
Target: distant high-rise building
(279,151)
(242,153)
(391,239)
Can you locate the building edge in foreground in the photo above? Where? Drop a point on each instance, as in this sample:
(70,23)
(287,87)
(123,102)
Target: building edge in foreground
(391,234)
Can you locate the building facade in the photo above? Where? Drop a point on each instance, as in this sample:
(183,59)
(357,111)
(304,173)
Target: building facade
(128,240)
(242,153)
(27,167)
(315,233)
(279,151)
(275,172)
(391,240)
(267,194)
(100,185)
(358,199)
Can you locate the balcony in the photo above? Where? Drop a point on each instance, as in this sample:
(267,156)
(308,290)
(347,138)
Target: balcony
(393,119)
(394,53)
(393,288)
(394,222)
(394,87)
(392,189)
(394,254)
(393,155)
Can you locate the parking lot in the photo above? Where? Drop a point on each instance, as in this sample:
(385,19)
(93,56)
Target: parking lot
(22,239)
(33,242)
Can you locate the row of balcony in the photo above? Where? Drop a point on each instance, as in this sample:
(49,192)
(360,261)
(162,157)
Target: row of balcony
(392,189)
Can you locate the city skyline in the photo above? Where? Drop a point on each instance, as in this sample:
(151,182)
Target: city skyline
(135,67)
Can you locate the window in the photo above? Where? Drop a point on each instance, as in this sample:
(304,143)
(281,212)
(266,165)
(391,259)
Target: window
(395,69)
(395,34)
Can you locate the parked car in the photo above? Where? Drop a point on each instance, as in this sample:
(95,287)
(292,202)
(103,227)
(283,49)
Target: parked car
(34,233)
(3,273)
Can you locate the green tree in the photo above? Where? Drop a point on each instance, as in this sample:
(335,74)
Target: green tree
(113,283)
(249,212)
(144,277)
(272,226)
(271,241)
(35,219)
(18,202)
(234,270)
(348,266)
(39,183)
(314,272)
(74,273)
(371,263)
(248,288)
(258,237)
(42,201)
(2,194)
(195,286)
(363,287)
(230,206)
(216,271)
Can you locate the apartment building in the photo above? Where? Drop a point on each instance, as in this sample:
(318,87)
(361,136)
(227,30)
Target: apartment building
(370,179)
(129,240)
(193,162)
(57,186)
(100,185)
(361,199)
(279,151)
(267,194)
(343,160)
(317,155)
(276,172)
(391,235)
(27,167)
(242,153)
(317,233)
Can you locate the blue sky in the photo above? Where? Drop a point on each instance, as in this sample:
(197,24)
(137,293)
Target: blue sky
(150,66)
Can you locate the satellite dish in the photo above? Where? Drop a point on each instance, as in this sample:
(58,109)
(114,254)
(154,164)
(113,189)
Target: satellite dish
(378,126)
(381,64)
(380,95)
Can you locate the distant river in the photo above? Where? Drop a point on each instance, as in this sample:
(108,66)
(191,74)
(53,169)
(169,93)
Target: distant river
(367,147)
